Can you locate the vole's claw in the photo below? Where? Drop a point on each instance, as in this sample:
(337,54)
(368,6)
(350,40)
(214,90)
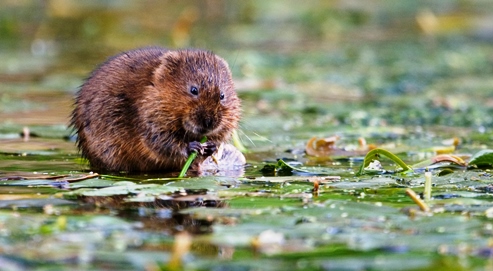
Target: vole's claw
(195,146)
(208,148)
(205,149)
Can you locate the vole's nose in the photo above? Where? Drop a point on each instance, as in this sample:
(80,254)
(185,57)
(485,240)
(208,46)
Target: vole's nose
(208,123)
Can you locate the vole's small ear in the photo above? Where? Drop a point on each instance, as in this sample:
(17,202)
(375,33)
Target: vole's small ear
(225,71)
(223,62)
(170,63)
(172,60)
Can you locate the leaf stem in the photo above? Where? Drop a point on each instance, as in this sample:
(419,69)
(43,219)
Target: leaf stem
(427,191)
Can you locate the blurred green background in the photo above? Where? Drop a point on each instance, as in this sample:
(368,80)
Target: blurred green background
(299,64)
(330,51)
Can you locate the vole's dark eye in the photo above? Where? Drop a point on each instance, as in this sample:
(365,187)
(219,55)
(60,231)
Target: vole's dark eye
(221,97)
(194,91)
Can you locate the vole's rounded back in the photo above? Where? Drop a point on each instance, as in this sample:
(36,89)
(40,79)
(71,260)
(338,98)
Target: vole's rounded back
(141,109)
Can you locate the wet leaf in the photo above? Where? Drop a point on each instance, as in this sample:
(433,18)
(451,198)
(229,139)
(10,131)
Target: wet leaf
(449,158)
(127,188)
(482,158)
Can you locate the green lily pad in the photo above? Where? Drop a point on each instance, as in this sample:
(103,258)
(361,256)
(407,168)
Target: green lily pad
(482,158)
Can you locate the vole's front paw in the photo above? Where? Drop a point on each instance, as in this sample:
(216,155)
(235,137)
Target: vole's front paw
(205,149)
(209,148)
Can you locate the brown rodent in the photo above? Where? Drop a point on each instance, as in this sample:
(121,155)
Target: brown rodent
(147,109)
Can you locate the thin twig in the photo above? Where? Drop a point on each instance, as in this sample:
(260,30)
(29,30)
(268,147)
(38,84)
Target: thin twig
(90,176)
(422,205)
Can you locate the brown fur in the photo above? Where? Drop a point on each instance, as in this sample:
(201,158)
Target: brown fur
(136,111)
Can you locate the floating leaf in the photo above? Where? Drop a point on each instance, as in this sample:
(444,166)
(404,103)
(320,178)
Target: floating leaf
(323,147)
(482,158)
(443,149)
(454,159)
(126,188)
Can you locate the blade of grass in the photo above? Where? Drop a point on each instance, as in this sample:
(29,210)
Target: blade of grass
(237,142)
(190,159)
(371,155)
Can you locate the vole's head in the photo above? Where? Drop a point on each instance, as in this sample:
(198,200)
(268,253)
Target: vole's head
(198,93)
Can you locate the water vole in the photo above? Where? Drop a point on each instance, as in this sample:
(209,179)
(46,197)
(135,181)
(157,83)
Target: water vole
(147,109)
